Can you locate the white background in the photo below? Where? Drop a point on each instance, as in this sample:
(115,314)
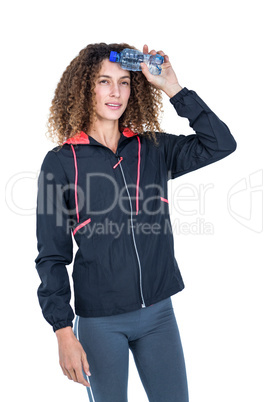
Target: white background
(217,49)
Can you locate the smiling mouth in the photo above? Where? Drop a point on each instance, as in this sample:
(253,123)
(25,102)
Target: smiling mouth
(113,105)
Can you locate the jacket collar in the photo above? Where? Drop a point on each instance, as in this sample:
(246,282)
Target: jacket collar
(83,138)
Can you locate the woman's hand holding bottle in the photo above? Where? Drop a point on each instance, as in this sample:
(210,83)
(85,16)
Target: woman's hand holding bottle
(167,81)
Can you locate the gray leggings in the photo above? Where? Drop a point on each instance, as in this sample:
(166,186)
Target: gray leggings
(153,337)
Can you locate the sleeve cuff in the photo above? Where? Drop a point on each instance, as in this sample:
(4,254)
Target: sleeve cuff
(184,91)
(62,324)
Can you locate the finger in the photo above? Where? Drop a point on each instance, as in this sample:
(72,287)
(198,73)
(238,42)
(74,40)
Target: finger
(71,375)
(85,365)
(146,72)
(66,373)
(81,378)
(166,61)
(145,49)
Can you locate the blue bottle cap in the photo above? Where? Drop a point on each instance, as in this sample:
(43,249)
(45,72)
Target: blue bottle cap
(113,56)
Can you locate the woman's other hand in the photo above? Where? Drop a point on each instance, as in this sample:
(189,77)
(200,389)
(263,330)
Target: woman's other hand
(72,356)
(167,81)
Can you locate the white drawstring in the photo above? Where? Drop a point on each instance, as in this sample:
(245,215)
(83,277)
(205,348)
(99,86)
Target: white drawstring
(77,332)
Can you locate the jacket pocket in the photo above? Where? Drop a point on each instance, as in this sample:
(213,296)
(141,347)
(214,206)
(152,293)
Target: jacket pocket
(81,225)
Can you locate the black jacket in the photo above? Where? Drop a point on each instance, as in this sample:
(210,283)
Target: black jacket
(115,206)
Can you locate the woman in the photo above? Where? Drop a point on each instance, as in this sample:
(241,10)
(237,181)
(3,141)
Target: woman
(105,185)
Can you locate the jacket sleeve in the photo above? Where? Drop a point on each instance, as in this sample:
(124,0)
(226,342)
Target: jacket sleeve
(54,244)
(211,142)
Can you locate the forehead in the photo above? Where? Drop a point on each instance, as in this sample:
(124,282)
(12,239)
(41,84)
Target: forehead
(113,69)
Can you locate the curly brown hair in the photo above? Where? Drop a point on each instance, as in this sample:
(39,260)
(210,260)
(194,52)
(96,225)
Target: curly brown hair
(73,106)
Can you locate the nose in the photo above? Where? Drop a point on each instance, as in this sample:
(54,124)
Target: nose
(115,90)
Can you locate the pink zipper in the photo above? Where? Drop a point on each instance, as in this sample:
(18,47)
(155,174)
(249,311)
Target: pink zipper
(121,158)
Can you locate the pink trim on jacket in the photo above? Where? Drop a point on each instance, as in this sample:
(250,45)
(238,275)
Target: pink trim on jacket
(138,176)
(83,138)
(78,138)
(127,132)
(81,225)
(164,199)
(75,184)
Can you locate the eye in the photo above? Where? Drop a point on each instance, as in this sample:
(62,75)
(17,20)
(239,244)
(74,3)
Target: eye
(103,81)
(125,83)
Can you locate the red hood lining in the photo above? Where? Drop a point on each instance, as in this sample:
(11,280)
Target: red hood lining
(83,138)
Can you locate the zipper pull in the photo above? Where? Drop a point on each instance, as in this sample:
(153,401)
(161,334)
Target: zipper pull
(121,158)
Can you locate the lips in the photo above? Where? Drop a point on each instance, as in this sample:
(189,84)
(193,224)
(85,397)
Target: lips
(113,106)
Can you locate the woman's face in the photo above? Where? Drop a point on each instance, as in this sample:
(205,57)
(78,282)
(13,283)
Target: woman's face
(112,91)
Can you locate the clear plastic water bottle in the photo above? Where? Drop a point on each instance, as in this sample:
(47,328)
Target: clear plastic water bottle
(130,59)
